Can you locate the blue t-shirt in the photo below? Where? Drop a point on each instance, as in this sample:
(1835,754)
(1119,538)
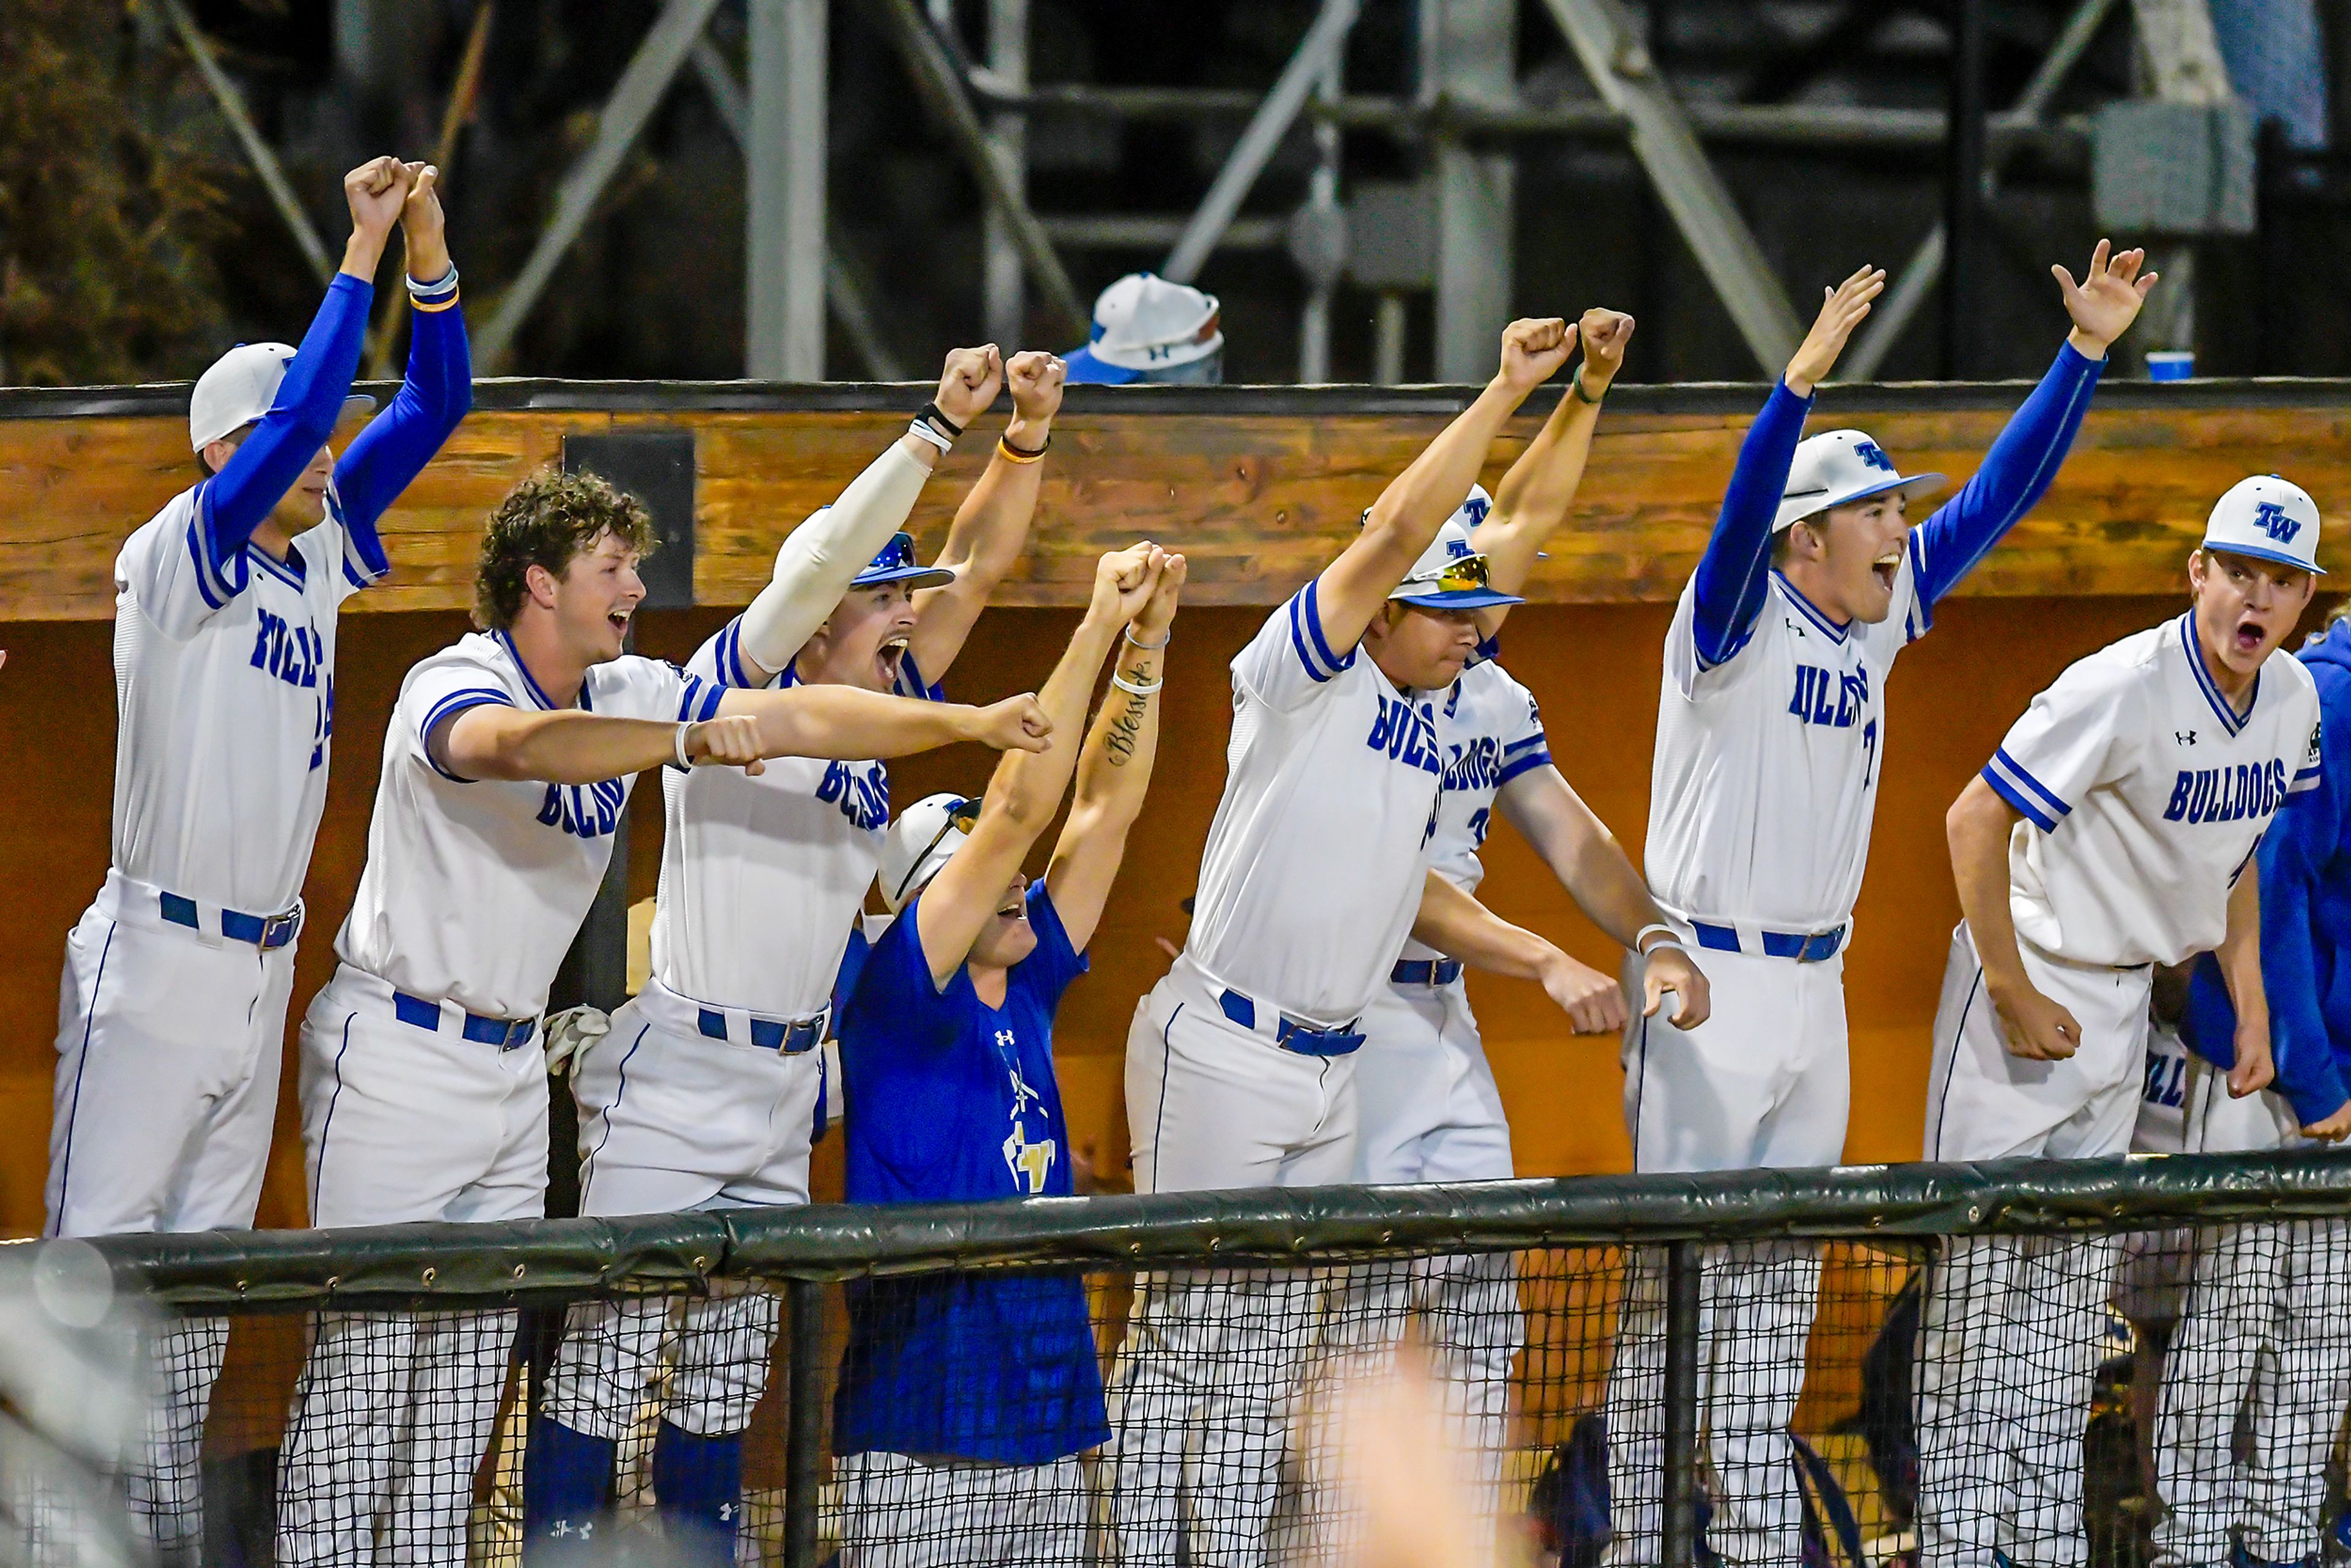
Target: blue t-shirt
(952,1100)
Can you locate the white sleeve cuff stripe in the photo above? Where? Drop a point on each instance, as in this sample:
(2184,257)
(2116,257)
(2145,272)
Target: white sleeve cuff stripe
(2025,805)
(1314,671)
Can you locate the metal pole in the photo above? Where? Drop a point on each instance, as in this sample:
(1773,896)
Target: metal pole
(1681,1403)
(256,151)
(1387,340)
(634,98)
(1918,276)
(1475,57)
(1964,167)
(941,87)
(1322,211)
(785,267)
(1256,148)
(1002,280)
(804,1422)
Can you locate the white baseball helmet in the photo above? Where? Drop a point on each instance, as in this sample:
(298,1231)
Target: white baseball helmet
(2268,518)
(1838,467)
(239,389)
(920,841)
(1145,326)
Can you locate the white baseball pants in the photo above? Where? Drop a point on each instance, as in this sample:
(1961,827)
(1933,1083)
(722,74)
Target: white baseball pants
(671,1121)
(169,1043)
(393,1412)
(1201,1395)
(2263,1340)
(1430,1112)
(2013,1327)
(902,1512)
(1764,1082)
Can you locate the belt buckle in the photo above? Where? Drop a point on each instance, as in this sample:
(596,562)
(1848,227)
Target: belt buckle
(276,930)
(517,1036)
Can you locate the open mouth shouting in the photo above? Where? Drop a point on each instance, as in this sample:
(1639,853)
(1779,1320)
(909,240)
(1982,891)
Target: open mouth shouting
(617,620)
(1887,566)
(2249,637)
(1015,906)
(891,655)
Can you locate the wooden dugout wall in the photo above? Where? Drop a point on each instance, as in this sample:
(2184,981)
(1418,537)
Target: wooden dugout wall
(1259,487)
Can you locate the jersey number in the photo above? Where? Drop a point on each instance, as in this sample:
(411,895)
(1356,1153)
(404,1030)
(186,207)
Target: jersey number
(1481,821)
(1868,753)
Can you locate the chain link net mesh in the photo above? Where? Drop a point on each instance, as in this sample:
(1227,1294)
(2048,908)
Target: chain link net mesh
(2114,1399)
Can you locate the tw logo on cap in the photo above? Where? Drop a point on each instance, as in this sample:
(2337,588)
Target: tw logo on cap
(1872,455)
(2276,522)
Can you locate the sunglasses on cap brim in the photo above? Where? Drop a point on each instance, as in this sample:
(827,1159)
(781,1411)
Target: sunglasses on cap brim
(1462,574)
(962,817)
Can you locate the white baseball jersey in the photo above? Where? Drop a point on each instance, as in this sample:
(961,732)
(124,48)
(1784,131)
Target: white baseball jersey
(472,891)
(1765,781)
(1314,863)
(1493,732)
(224,689)
(2144,795)
(763,877)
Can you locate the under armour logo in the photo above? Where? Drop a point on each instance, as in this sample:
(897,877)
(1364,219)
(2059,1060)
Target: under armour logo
(1872,456)
(1006,1038)
(2275,523)
(2185,736)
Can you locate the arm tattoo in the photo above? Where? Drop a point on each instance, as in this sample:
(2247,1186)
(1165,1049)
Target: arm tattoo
(1126,727)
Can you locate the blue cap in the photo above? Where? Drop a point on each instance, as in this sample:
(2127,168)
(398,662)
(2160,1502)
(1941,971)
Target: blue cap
(897,563)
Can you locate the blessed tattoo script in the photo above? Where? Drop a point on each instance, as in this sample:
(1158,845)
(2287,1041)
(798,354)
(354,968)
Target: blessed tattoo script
(1126,727)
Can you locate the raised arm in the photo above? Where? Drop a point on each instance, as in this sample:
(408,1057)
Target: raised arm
(1405,518)
(2239,956)
(1025,792)
(2300,840)
(1458,926)
(1732,576)
(818,559)
(318,379)
(1115,769)
(2017,471)
(991,527)
(439,387)
(1533,498)
(570,746)
(1592,865)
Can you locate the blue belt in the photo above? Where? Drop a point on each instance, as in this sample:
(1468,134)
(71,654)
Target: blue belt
(481,1031)
(1426,971)
(770,1034)
(1293,1034)
(266,931)
(1804,949)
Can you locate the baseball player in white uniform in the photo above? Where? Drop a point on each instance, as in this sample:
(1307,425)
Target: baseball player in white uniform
(2113,829)
(1426,1100)
(171,1012)
(506,766)
(1770,733)
(706,1090)
(2263,1320)
(1240,1063)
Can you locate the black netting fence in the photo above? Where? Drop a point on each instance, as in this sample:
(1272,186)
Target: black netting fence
(2094,1362)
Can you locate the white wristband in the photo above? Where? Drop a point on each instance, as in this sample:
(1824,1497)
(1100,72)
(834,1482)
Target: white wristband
(1123,684)
(682,759)
(1673,942)
(1128,632)
(923,428)
(1656,925)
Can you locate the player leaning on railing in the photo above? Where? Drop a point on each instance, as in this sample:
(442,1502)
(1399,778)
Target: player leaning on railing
(964,1401)
(172,1014)
(507,766)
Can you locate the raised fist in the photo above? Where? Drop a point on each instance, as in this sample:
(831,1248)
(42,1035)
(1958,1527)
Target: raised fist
(970,381)
(1035,378)
(1533,351)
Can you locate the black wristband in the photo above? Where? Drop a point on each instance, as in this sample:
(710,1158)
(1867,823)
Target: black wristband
(1023,450)
(932,415)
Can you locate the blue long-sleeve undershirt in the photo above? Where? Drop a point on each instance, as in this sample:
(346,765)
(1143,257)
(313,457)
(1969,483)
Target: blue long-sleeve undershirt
(310,399)
(1733,576)
(398,443)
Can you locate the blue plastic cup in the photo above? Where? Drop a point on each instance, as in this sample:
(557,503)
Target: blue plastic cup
(2171,364)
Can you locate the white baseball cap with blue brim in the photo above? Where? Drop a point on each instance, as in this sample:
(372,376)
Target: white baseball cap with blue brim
(1450,574)
(922,839)
(1838,468)
(2268,518)
(239,389)
(1145,327)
